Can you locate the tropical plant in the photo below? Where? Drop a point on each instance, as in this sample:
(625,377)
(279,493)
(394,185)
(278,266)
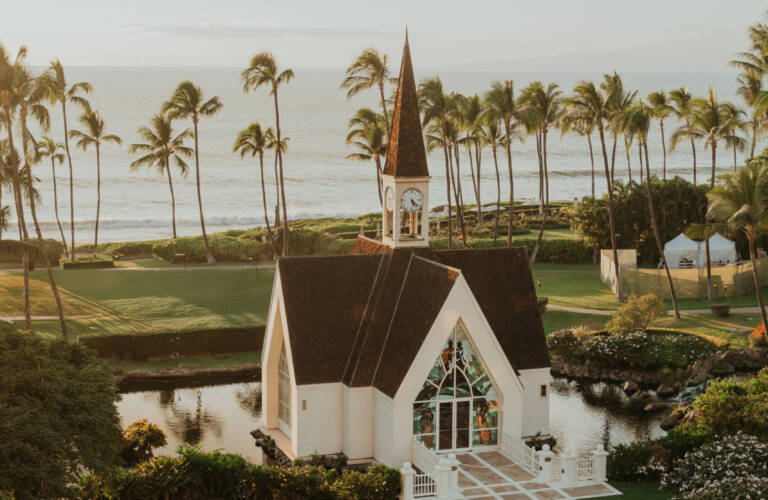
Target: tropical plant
(47,147)
(368,135)
(254,141)
(741,202)
(161,147)
(273,144)
(470,116)
(618,101)
(139,438)
(369,69)
(578,120)
(490,134)
(187,102)
(660,108)
(94,135)
(636,314)
(751,91)
(59,91)
(682,107)
(734,116)
(589,100)
(263,71)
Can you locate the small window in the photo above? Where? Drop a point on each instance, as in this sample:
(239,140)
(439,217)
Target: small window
(543,391)
(283,390)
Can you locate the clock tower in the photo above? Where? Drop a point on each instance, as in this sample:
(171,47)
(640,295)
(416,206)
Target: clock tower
(405,179)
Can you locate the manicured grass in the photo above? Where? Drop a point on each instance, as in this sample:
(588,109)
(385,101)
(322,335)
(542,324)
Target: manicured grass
(138,301)
(639,491)
(557,320)
(223,361)
(576,285)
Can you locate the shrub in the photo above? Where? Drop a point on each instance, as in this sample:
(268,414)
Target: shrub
(735,467)
(757,337)
(139,439)
(92,262)
(380,482)
(636,314)
(629,462)
(12,252)
(220,474)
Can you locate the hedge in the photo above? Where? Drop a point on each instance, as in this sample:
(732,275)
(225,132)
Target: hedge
(555,251)
(95,262)
(142,346)
(12,254)
(720,343)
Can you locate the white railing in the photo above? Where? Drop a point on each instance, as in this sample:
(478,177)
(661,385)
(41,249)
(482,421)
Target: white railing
(425,459)
(585,469)
(557,468)
(423,485)
(520,453)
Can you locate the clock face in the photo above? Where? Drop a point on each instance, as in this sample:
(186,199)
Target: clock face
(411,200)
(389,199)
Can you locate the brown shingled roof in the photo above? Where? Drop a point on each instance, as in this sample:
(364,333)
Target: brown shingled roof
(360,319)
(406,156)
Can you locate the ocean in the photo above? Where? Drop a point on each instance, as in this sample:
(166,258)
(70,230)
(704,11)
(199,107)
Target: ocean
(319,180)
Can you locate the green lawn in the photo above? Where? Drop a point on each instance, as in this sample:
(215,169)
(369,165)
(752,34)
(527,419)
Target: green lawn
(136,301)
(639,491)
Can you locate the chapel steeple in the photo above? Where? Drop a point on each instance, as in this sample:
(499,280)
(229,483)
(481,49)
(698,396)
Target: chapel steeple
(405,178)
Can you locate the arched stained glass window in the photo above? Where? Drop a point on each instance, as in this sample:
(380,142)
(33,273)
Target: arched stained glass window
(457,406)
(283,390)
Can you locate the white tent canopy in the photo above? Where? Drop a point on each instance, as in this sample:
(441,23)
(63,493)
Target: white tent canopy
(682,252)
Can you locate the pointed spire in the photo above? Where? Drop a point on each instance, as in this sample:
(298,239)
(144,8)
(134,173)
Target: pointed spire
(406,156)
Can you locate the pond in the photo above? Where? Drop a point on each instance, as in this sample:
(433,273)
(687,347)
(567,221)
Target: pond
(222,416)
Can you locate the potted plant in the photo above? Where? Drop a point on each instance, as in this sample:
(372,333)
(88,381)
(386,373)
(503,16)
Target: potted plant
(718,308)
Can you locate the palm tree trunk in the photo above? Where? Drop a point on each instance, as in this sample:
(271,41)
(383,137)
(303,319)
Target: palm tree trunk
(384,106)
(627,146)
(592,161)
(613,158)
(652,212)
(734,158)
(282,183)
(474,181)
(459,196)
(264,202)
(71,181)
(508,147)
(277,194)
(447,196)
(754,137)
(546,169)
(377,164)
(663,150)
(756,276)
(541,173)
(611,222)
(713,145)
(693,150)
(545,207)
(56,205)
(208,254)
(173,198)
(98,200)
(478,157)
(498,196)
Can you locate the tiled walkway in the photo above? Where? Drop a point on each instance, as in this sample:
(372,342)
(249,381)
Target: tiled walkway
(492,476)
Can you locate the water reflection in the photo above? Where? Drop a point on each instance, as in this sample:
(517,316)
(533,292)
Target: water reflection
(582,415)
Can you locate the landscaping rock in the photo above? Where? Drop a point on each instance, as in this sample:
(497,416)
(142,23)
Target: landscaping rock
(722,367)
(740,331)
(665,391)
(630,386)
(670,420)
(656,406)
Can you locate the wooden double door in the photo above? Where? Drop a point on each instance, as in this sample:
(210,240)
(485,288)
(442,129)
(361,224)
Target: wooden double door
(454,424)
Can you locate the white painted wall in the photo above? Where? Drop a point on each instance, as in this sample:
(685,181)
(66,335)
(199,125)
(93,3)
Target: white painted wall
(318,426)
(357,428)
(384,430)
(535,406)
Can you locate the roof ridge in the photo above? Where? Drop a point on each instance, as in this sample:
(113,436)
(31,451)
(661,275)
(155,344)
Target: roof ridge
(439,264)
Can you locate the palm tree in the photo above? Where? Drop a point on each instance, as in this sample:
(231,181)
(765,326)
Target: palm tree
(490,134)
(253,141)
(368,135)
(501,104)
(588,100)
(263,71)
(160,147)
(751,91)
(369,69)
(711,122)
(741,203)
(470,114)
(636,122)
(575,120)
(734,116)
(47,147)
(55,84)
(661,108)
(682,107)
(619,101)
(93,135)
(272,144)
(438,110)
(187,102)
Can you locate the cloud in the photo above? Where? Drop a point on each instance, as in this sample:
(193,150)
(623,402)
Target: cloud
(232,31)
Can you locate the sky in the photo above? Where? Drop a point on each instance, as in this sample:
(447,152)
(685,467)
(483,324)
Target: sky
(554,35)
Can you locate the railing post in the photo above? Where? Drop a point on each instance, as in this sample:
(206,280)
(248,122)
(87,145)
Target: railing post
(406,475)
(546,461)
(453,462)
(443,480)
(568,460)
(599,463)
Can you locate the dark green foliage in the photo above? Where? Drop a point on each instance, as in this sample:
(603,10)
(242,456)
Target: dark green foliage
(639,350)
(92,262)
(629,462)
(636,313)
(139,439)
(558,251)
(142,346)
(57,414)
(12,252)
(727,407)
(219,475)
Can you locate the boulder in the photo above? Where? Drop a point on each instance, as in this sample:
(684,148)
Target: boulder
(722,367)
(665,391)
(630,386)
(670,420)
(656,406)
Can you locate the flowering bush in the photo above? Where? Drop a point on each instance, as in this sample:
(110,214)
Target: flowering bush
(639,350)
(758,338)
(735,467)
